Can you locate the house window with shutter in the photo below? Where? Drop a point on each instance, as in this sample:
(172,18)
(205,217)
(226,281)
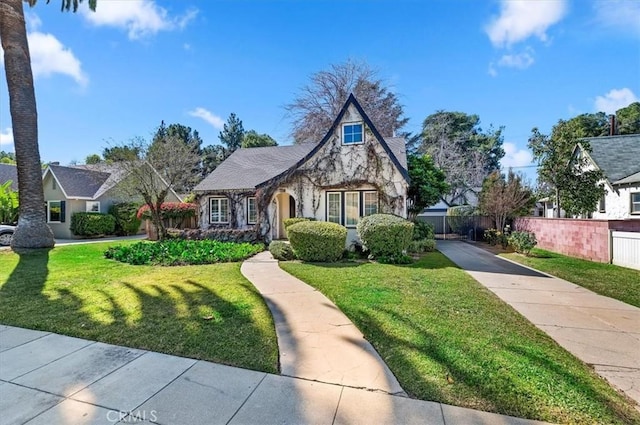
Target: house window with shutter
(55,211)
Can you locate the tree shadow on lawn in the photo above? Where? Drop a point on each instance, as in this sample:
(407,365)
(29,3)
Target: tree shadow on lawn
(469,368)
(186,318)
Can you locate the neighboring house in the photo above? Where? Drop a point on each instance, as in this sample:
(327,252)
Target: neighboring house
(618,157)
(352,172)
(9,172)
(82,188)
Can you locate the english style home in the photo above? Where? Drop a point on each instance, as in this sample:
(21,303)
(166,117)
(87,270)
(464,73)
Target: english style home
(352,172)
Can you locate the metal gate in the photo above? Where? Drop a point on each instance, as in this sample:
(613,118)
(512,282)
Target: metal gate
(470,227)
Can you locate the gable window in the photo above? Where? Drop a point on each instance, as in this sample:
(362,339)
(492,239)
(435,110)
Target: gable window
(334,207)
(352,133)
(55,211)
(635,203)
(219,208)
(352,208)
(252,211)
(370,203)
(92,206)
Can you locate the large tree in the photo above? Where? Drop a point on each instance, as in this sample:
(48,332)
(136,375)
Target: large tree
(319,102)
(254,140)
(502,198)
(566,175)
(232,134)
(121,153)
(32,230)
(628,119)
(427,184)
(461,148)
(191,139)
(167,158)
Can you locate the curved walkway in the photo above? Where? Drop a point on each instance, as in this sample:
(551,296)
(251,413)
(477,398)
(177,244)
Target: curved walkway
(600,331)
(315,339)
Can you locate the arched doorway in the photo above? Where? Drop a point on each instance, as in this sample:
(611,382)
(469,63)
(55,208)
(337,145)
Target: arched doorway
(286,208)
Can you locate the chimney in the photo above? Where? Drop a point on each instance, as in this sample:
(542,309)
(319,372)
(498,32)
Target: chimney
(54,163)
(612,125)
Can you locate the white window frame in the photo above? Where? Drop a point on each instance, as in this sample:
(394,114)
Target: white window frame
(218,200)
(634,203)
(364,202)
(339,195)
(349,220)
(49,212)
(89,206)
(361,124)
(255,207)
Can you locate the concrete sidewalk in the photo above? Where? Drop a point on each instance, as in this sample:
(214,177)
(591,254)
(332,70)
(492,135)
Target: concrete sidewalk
(52,379)
(316,340)
(600,331)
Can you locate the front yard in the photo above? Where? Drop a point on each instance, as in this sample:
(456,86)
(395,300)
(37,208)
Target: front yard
(448,339)
(208,312)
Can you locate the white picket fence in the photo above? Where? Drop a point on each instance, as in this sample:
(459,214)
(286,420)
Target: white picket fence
(625,249)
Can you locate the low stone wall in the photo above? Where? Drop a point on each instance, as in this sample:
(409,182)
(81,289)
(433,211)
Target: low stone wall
(580,238)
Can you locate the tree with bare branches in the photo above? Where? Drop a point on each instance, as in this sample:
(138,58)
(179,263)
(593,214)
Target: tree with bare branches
(319,102)
(164,164)
(503,199)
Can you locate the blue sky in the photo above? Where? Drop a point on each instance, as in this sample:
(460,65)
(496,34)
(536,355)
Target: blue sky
(106,77)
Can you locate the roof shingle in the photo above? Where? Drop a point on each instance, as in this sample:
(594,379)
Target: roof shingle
(617,156)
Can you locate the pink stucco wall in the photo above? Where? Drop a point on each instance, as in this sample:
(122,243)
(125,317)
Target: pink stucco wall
(587,239)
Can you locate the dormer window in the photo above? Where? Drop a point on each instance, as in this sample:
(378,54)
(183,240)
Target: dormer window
(352,133)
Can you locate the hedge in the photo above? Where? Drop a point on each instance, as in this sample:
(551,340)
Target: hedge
(385,235)
(317,241)
(281,250)
(222,235)
(127,223)
(92,224)
(293,220)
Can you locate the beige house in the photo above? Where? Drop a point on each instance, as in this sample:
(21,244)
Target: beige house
(83,188)
(352,172)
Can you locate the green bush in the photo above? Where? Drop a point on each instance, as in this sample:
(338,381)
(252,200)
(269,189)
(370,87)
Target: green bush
(281,251)
(293,220)
(422,230)
(92,224)
(385,235)
(127,223)
(422,245)
(495,237)
(318,241)
(523,242)
(178,252)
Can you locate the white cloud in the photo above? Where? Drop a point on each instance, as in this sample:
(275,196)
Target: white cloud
(614,100)
(6,138)
(620,15)
(208,116)
(514,157)
(492,70)
(520,60)
(140,18)
(49,56)
(521,19)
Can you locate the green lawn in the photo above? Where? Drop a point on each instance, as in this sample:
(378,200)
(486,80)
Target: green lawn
(208,312)
(609,280)
(448,339)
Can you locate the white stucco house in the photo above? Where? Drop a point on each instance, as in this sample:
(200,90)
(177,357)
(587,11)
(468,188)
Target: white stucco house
(618,157)
(352,172)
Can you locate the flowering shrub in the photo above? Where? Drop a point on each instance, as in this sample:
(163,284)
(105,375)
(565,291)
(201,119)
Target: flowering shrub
(170,210)
(523,242)
(495,237)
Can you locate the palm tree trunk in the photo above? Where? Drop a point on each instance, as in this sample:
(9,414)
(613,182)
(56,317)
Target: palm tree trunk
(32,230)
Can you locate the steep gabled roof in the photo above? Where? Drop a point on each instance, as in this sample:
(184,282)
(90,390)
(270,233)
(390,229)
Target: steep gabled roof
(9,172)
(251,168)
(78,183)
(617,157)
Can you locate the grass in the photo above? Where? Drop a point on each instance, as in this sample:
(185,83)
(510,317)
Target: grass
(609,280)
(208,312)
(448,339)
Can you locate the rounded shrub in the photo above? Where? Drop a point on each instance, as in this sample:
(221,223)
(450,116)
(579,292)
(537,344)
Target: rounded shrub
(281,250)
(92,224)
(385,235)
(293,220)
(127,222)
(422,230)
(318,241)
